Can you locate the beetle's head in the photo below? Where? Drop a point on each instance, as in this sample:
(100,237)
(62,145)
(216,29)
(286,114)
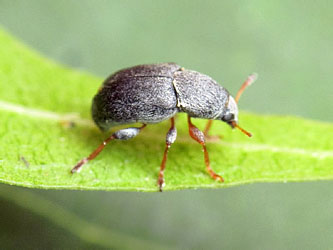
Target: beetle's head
(230,115)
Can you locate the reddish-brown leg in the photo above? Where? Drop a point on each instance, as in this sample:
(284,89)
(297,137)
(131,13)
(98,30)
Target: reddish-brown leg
(206,132)
(197,135)
(170,138)
(207,128)
(123,134)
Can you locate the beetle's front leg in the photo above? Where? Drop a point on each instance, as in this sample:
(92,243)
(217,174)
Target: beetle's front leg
(206,132)
(207,128)
(123,134)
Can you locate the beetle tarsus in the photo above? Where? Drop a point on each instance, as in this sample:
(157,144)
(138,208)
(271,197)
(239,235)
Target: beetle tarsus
(216,176)
(79,165)
(161,184)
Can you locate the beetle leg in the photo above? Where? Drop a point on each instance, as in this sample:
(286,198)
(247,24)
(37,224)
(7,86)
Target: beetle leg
(170,138)
(207,128)
(211,137)
(123,134)
(197,135)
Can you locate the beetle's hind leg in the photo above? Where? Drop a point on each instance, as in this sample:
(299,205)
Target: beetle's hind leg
(170,138)
(123,134)
(197,135)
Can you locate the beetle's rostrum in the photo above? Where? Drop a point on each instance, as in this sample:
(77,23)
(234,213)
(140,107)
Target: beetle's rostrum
(153,93)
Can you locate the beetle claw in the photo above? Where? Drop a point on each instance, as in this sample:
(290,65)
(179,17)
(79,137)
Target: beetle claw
(219,178)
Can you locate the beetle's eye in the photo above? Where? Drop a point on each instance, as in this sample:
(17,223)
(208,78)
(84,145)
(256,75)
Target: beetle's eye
(228,117)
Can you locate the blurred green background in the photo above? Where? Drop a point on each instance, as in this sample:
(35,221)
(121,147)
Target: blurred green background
(290,45)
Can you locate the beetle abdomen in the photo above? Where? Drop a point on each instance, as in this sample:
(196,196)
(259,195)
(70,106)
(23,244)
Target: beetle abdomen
(143,94)
(199,95)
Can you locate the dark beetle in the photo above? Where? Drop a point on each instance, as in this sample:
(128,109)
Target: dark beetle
(153,93)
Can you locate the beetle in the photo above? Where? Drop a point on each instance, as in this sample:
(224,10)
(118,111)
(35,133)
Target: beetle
(152,93)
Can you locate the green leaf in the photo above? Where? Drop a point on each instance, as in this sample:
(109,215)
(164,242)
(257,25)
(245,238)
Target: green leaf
(40,99)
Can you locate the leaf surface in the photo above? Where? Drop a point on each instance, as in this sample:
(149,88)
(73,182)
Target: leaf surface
(40,100)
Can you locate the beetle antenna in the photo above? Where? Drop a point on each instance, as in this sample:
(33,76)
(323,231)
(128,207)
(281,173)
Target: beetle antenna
(250,79)
(241,129)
